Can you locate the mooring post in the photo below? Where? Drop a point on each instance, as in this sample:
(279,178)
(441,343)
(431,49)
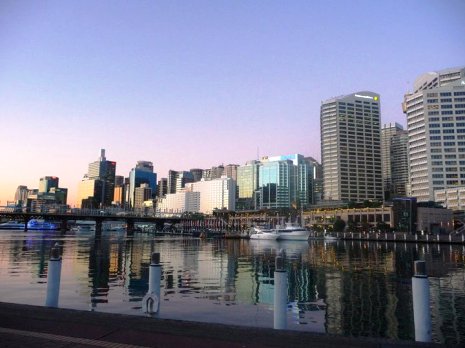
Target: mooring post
(53,277)
(421,310)
(280,295)
(151,301)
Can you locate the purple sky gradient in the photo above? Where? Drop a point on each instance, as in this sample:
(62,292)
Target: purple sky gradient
(189,84)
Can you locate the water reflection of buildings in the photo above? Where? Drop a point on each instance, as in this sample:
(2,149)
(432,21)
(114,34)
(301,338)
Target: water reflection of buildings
(362,288)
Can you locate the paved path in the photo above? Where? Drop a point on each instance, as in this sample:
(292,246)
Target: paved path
(32,326)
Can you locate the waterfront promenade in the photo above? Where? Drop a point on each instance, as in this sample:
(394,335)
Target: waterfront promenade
(33,326)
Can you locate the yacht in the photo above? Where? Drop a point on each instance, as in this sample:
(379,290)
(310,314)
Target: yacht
(262,233)
(291,232)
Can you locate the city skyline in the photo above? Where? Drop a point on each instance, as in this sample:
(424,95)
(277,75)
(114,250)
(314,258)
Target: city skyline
(154,81)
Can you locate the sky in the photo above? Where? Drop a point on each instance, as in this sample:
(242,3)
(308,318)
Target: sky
(195,84)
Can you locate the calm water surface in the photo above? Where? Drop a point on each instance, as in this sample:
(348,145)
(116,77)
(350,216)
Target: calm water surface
(344,287)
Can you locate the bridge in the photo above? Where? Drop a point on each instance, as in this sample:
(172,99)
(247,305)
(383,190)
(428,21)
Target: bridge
(63,217)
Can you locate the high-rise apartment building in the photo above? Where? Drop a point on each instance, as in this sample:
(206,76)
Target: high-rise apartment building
(141,174)
(350,148)
(435,113)
(394,160)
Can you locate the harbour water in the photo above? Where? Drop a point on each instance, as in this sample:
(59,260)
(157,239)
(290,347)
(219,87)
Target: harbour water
(353,288)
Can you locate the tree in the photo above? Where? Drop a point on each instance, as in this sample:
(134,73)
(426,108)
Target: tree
(339,225)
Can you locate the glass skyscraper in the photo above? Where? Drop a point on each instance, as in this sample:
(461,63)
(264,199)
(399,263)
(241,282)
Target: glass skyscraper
(141,174)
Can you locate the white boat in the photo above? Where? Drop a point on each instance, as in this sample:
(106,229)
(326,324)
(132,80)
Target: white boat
(261,233)
(12,225)
(291,232)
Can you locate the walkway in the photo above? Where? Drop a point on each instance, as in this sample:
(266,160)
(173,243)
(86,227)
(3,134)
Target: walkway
(31,326)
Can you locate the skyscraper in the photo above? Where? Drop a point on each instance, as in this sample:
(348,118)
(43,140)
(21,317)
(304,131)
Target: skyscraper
(47,182)
(21,195)
(435,113)
(247,185)
(141,174)
(97,186)
(178,179)
(197,174)
(399,164)
(394,160)
(350,148)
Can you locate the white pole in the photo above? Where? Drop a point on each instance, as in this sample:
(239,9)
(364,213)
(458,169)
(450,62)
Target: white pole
(280,295)
(151,301)
(53,277)
(421,310)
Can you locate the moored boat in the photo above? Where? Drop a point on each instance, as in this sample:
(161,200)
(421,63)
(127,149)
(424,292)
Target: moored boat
(292,232)
(35,224)
(261,233)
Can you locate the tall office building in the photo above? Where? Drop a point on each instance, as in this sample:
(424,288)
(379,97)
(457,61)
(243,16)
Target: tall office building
(215,194)
(231,171)
(141,174)
(435,113)
(47,182)
(98,185)
(197,174)
(247,185)
(21,195)
(393,160)
(317,180)
(142,193)
(350,148)
(162,187)
(284,182)
(177,180)
(399,164)
(119,194)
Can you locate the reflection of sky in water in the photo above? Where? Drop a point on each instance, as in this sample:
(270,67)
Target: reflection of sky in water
(349,288)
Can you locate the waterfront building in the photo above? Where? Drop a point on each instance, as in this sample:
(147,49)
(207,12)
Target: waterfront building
(21,195)
(435,113)
(451,198)
(394,160)
(142,193)
(197,174)
(142,174)
(215,194)
(47,182)
(350,148)
(100,176)
(180,202)
(247,185)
